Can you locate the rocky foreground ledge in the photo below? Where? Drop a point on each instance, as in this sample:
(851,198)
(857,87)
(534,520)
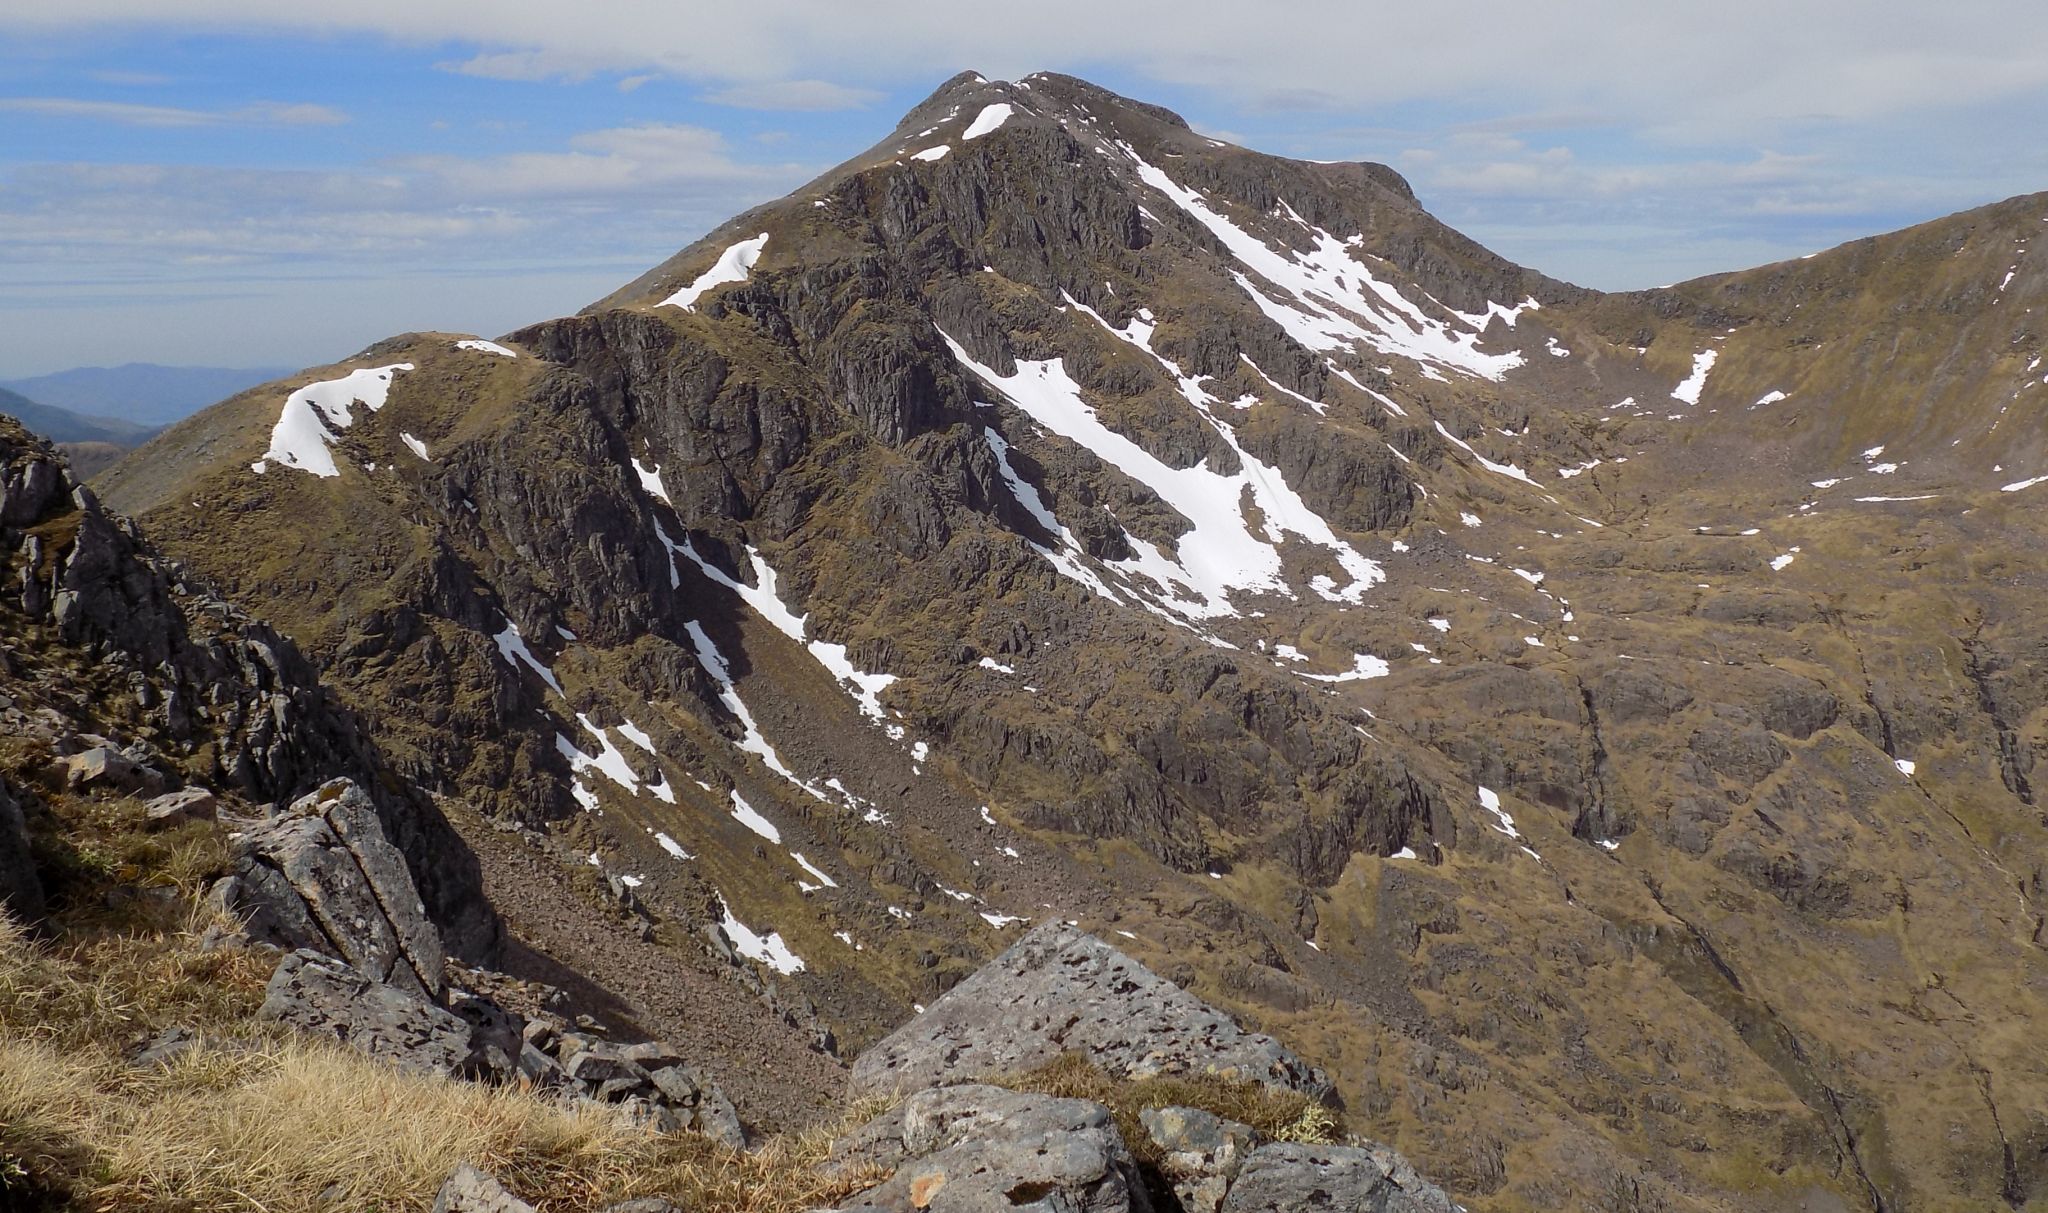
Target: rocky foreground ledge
(362,964)
(955,1145)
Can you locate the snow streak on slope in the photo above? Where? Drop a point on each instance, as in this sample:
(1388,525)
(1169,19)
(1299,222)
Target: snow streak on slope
(732,265)
(769,949)
(753,742)
(1219,554)
(1282,509)
(1363,666)
(1068,560)
(608,761)
(512,647)
(865,688)
(1331,299)
(1502,469)
(301,439)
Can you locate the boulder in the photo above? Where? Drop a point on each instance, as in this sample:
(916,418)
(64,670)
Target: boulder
(1202,1153)
(981,1149)
(177,808)
(1288,1177)
(103,766)
(469,1190)
(165,1048)
(1060,990)
(322,875)
(322,996)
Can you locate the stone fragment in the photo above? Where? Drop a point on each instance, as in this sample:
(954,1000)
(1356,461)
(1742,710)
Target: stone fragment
(469,1190)
(1203,1153)
(177,808)
(1289,1177)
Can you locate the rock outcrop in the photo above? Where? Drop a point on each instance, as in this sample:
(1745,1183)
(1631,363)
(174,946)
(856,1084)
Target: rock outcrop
(969,1147)
(203,677)
(982,1149)
(1060,990)
(365,967)
(649,1080)
(469,1190)
(322,875)
(321,996)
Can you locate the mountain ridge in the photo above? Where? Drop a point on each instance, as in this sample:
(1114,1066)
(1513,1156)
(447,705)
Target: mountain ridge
(146,395)
(1417,657)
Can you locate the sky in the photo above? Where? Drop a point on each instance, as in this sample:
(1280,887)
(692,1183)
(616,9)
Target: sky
(280,183)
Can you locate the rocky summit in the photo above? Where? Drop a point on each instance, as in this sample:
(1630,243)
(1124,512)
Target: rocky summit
(1173,676)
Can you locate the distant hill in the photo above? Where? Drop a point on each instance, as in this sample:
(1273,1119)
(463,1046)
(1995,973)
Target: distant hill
(141,393)
(64,425)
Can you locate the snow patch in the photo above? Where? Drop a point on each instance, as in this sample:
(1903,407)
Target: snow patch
(415,446)
(486,347)
(1331,299)
(988,120)
(932,153)
(1219,554)
(650,480)
(733,265)
(1689,389)
(512,647)
(1363,666)
(769,949)
(866,689)
(1504,469)
(813,869)
(749,817)
(301,439)
(1490,801)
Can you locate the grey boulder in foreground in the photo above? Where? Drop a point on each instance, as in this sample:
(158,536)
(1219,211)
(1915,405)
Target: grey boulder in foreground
(1060,990)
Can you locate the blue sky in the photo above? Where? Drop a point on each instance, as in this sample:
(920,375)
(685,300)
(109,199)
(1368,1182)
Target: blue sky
(235,182)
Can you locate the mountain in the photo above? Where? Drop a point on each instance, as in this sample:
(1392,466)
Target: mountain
(1599,730)
(63,425)
(142,394)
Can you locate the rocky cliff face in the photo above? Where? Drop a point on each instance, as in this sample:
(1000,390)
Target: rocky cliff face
(1597,731)
(127,674)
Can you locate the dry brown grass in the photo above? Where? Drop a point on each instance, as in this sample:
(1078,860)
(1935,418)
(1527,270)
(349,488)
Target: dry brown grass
(262,1122)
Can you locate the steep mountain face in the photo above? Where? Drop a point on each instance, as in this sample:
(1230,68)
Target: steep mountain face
(1598,730)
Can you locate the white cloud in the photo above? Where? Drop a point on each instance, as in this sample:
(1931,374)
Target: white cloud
(651,188)
(260,113)
(1692,71)
(815,96)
